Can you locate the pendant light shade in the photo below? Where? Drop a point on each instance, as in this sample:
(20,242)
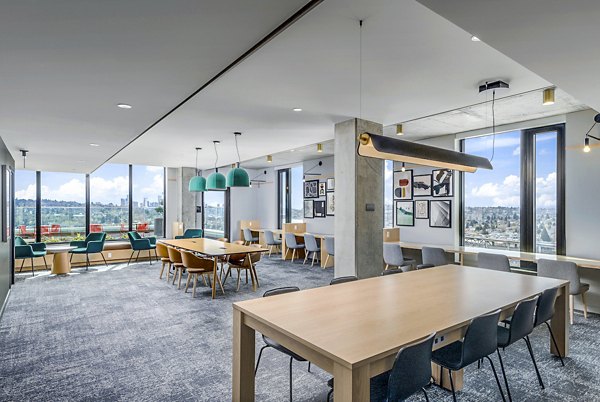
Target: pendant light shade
(548,98)
(197,183)
(238,177)
(216,181)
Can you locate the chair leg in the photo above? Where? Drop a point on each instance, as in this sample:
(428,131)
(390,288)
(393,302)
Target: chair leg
(221,284)
(537,371)
(309,367)
(22,263)
(46,264)
(130,257)
(259,356)
(555,344)
(270,249)
(291,361)
(150,256)
(293,254)
(496,377)
(227,275)
(180,275)
(195,282)
(87,262)
(32,273)
(584,302)
(504,375)
(162,270)
(255,277)
(71,259)
(238,282)
(422,389)
(305,257)
(313,259)
(452,385)
(571,308)
(187,283)
(326,261)
(105,263)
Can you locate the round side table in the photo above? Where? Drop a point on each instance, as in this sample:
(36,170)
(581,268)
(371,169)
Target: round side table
(60,262)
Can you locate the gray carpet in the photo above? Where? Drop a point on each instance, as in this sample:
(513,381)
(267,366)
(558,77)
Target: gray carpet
(119,333)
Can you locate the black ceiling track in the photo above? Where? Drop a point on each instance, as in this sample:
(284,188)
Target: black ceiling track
(271,35)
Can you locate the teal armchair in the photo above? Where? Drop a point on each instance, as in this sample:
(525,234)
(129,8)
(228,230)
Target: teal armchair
(190,234)
(139,244)
(93,244)
(24,251)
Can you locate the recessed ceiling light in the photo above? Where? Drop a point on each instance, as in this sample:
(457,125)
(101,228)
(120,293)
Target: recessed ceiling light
(124,106)
(297,109)
(292,150)
(94,145)
(475,39)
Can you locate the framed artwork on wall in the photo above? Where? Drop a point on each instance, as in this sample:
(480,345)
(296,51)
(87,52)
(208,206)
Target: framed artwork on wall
(322,189)
(311,189)
(330,203)
(330,184)
(422,185)
(422,209)
(403,185)
(319,208)
(309,211)
(440,213)
(443,183)
(405,214)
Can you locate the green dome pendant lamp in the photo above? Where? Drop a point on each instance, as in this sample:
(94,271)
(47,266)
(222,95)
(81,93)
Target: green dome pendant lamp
(216,181)
(197,183)
(237,177)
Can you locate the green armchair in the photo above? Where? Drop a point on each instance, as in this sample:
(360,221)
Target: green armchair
(139,244)
(190,234)
(23,251)
(93,244)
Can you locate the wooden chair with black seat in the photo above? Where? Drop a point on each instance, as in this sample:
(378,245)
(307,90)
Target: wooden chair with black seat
(245,262)
(163,253)
(195,266)
(176,264)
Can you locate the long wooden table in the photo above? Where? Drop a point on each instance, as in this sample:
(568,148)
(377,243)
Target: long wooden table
(213,249)
(354,330)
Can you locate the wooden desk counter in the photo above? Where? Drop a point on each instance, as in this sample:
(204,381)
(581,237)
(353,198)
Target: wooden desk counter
(356,338)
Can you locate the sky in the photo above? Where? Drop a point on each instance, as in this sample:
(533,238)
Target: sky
(108,184)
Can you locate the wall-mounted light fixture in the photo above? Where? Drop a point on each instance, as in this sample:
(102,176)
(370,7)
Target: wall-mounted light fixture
(586,141)
(399,130)
(319,148)
(548,97)
(269,158)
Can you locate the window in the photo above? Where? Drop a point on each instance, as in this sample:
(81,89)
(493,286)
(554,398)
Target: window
(25,196)
(148,199)
(290,188)
(214,217)
(63,207)
(283,197)
(297,194)
(109,201)
(518,205)
(388,197)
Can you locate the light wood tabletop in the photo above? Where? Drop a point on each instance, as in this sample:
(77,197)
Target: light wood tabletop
(213,249)
(365,323)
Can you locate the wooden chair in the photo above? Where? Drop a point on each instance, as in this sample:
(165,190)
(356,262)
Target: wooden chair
(197,266)
(222,260)
(246,262)
(176,263)
(163,253)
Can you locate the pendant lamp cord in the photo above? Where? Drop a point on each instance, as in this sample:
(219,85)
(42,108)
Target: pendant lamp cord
(493,125)
(217,155)
(238,150)
(196,161)
(360,22)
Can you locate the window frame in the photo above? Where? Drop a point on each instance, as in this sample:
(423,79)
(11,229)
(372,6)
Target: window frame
(227,223)
(288,196)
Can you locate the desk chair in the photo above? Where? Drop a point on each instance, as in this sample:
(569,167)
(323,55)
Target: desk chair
(93,244)
(195,266)
(246,262)
(271,241)
(520,327)
(139,244)
(480,341)
(24,251)
(248,237)
(330,246)
(291,243)
(393,256)
(343,279)
(495,262)
(176,263)
(270,343)
(190,234)
(410,374)
(311,246)
(433,257)
(566,271)
(163,253)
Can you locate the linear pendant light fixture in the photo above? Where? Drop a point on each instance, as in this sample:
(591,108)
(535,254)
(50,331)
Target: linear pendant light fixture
(237,177)
(380,147)
(216,181)
(197,183)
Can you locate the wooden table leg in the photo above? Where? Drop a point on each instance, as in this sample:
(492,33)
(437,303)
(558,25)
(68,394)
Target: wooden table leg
(214,282)
(351,385)
(61,264)
(559,323)
(243,359)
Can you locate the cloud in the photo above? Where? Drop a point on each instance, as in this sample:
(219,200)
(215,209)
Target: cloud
(154,169)
(485,143)
(505,194)
(109,190)
(486,190)
(517,151)
(546,191)
(26,194)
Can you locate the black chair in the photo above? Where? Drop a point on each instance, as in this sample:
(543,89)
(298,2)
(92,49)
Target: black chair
(410,374)
(480,342)
(392,271)
(343,279)
(544,313)
(270,343)
(520,326)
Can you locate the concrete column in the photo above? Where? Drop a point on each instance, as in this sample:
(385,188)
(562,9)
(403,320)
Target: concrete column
(358,203)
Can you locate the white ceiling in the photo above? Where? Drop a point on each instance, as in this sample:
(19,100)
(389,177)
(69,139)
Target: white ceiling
(555,38)
(415,63)
(291,156)
(64,66)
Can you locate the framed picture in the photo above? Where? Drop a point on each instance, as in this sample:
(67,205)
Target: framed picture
(311,189)
(403,185)
(440,213)
(422,209)
(422,185)
(319,209)
(442,183)
(330,203)
(309,211)
(322,189)
(330,184)
(405,215)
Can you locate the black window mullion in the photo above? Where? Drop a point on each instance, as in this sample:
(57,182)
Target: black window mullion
(87,205)
(527,213)
(130,197)
(38,206)
(561,241)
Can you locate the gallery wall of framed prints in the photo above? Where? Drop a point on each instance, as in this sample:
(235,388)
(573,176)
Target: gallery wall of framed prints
(423,196)
(319,198)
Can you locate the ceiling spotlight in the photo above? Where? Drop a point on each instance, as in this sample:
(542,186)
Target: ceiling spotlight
(403,169)
(94,145)
(269,158)
(548,98)
(399,129)
(297,109)
(586,145)
(124,106)
(319,147)
(475,39)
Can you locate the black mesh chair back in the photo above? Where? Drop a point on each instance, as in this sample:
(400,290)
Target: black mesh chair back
(343,279)
(391,272)
(545,306)
(481,338)
(411,370)
(280,291)
(521,323)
